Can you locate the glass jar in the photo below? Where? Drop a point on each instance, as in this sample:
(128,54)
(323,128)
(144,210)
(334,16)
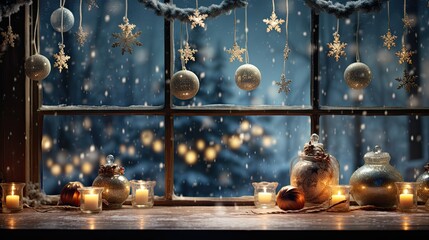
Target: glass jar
(11,199)
(116,185)
(423,181)
(265,194)
(142,193)
(314,171)
(374,182)
(90,199)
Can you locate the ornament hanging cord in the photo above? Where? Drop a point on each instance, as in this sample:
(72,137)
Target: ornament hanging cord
(246,30)
(388,16)
(62,3)
(235,27)
(80,15)
(182,60)
(287,37)
(36,25)
(357,39)
(126,10)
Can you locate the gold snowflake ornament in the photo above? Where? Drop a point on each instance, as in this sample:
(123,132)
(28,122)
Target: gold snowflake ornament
(273,22)
(407,81)
(404,55)
(81,36)
(9,37)
(389,40)
(284,84)
(187,53)
(336,47)
(197,19)
(236,52)
(126,39)
(286,52)
(408,22)
(61,58)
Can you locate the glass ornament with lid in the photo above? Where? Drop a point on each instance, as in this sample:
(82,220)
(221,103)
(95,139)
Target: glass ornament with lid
(423,181)
(374,182)
(315,171)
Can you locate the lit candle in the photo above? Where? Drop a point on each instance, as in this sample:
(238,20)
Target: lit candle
(406,200)
(142,196)
(12,201)
(264,197)
(91,201)
(336,198)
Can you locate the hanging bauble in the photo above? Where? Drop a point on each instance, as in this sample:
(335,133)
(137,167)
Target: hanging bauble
(68,19)
(184,84)
(37,67)
(358,75)
(247,77)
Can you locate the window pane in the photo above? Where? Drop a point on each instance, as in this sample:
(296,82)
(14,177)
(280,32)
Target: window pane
(73,147)
(384,65)
(216,72)
(405,138)
(222,156)
(99,74)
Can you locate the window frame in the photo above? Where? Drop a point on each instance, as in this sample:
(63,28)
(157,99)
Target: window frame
(35,112)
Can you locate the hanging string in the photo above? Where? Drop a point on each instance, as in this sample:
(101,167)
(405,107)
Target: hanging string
(182,60)
(36,24)
(388,15)
(62,3)
(287,34)
(187,33)
(126,9)
(80,15)
(338,25)
(246,30)
(404,32)
(196,3)
(357,39)
(405,8)
(274,7)
(235,27)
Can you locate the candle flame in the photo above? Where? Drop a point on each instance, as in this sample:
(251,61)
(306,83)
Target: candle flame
(265,189)
(339,192)
(405,191)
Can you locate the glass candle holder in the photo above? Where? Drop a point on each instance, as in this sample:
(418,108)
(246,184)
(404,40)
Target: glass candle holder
(406,200)
(340,198)
(265,194)
(142,193)
(91,199)
(11,200)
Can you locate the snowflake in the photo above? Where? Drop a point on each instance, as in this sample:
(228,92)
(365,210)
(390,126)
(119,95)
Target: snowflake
(126,38)
(197,19)
(236,52)
(273,22)
(286,52)
(284,84)
(389,40)
(408,22)
(407,81)
(187,53)
(81,36)
(337,47)
(404,55)
(92,4)
(61,58)
(9,37)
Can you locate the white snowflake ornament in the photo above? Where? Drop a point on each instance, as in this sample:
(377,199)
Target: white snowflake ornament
(187,53)
(9,37)
(126,39)
(236,52)
(61,58)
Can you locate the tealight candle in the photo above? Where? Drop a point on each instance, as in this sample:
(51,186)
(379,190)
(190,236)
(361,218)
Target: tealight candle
(406,199)
(142,196)
(336,198)
(340,199)
(12,201)
(406,196)
(264,194)
(11,197)
(90,201)
(142,193)
(265,197)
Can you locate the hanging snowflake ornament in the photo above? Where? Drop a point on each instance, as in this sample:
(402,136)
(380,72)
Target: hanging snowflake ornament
(9,37)
(236,52)
(81,36)
(126,39)
(61,58)
(336,47)
(407,81)
(286,52)
(284,84)
(404,55)
(408,22)
(389,40)
(197,19)
(92,4)
(187,53)
(273,22)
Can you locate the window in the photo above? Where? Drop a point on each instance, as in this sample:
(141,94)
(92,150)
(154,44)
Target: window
(217,143)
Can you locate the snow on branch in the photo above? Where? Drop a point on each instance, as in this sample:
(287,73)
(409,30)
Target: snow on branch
(10,7)
(345,10)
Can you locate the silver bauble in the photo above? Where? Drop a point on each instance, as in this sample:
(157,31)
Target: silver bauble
(358,75)
(37,67)
(184,84)
(68,20)
(247,77)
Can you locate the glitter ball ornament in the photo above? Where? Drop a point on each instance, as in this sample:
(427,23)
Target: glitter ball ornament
(184,84)
(358,75)
(68,20)
(37,67)
(247,77)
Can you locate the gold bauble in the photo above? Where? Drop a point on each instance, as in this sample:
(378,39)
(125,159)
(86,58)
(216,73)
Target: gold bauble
(37,67)
(358,75)
(184,85)
(290,198)
(247,77)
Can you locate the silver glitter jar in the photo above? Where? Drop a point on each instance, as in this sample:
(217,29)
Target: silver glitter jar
(374,182)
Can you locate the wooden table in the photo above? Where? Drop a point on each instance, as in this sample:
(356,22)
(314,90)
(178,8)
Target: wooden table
(225,222)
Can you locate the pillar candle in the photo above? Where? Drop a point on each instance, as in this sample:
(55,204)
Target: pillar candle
(142,196)
(336,198)
(264,197)
(12,201)
(406,200)
(91,201)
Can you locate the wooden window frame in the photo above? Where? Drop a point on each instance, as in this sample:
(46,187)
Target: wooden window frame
(36,112)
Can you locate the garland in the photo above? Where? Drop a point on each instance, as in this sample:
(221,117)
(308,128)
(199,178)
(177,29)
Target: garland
(8,8)
(344,11)
(171,12)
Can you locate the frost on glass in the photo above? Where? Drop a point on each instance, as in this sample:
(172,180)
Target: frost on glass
(73,148)
(348,138)
(222,156)
(99,74)
(215,71)
(384,64)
